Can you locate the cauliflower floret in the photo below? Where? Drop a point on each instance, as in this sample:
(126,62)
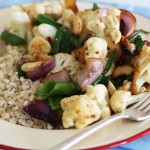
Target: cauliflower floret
(82,110)
(95,48)
(96,28)
(121,99)
(39,45)
(45,30)
(52,9)
(35,9)
(20,23)
(20,17)
(112,23)
(86,17)
(66,61)
(79,111)
(112,18)
(99,94)
(142,70)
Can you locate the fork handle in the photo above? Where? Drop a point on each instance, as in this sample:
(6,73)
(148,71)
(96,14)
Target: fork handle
(67,144)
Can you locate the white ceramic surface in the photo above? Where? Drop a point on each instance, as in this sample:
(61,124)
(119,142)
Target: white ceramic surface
(28,138)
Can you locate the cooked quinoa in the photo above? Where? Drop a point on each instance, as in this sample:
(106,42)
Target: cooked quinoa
(14,91)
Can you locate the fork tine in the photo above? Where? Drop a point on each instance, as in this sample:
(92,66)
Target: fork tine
(147,108)
(141,101)
(144,104)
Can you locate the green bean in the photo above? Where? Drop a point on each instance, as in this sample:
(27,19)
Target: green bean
(12,39)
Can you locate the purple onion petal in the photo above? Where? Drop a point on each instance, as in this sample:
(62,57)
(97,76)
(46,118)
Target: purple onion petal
(128,23)
(42,70)
(40,110)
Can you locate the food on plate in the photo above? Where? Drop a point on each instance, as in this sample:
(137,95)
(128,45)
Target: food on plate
(65,68)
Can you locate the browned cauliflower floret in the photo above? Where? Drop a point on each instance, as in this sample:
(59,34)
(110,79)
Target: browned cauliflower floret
(66,61)
(39,45)
(79,111)
(142,70)
(86,17)
(95,48)
(121,99)
(96,28)
(99,94)
(54,10)
(82,110)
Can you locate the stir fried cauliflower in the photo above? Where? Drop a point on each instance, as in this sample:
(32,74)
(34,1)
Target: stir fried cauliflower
(142,70)
(112,23)
(121,99)
(99,94)
(112,18)
(66,61)
(51,9)
(96,28)
(20,23)
(39,45)
(80,111)
(95,48)
(86,17)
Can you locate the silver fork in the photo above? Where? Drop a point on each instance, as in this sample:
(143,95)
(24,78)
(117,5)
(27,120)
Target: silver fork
(140,111)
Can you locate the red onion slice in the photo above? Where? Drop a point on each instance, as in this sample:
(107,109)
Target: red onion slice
(61,76)
(42,70)
(89,73)
(128,23)
(40,110)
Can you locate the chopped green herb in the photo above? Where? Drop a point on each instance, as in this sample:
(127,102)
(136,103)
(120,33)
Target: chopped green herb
(44,89)
(109,62)
(20,72)
(95,7)
(102,79)
(54,102)
(12,39)
(64,42)
(134,36)
(139,43)
(45,19)
(53,88)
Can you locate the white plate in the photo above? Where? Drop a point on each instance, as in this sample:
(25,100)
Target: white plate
(27,138)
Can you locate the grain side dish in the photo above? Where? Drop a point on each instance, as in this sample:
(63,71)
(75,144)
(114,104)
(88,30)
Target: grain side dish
(66,68)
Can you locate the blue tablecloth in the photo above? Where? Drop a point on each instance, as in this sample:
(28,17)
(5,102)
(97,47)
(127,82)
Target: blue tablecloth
(140,144)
